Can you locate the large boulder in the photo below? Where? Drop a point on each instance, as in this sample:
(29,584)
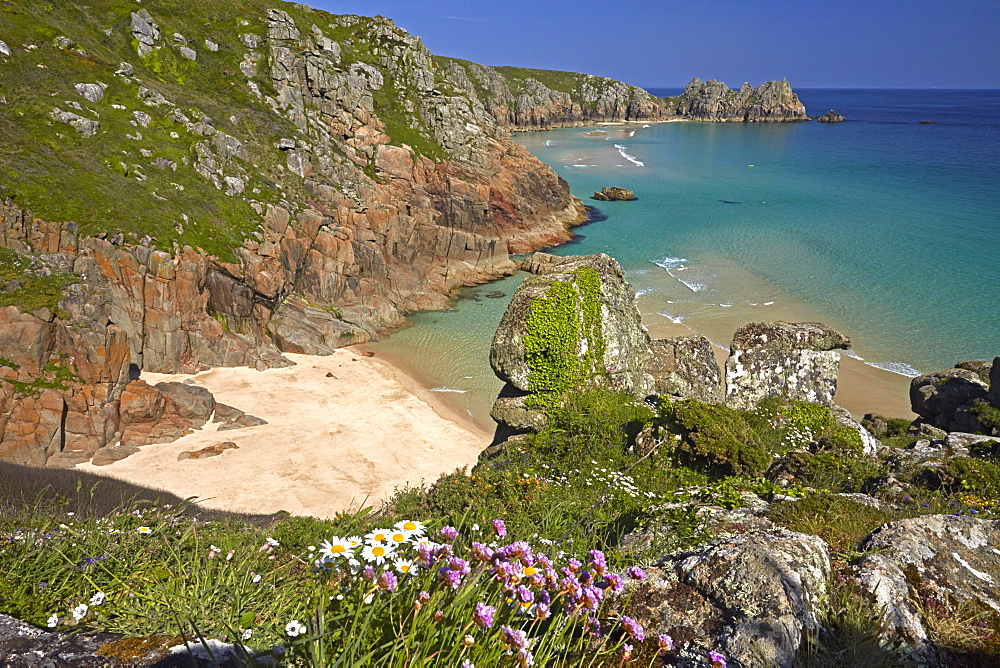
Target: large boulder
(936,559)
(686,367)
(948,399)
(754,595)
(831,117)
(782,359)
(574,326)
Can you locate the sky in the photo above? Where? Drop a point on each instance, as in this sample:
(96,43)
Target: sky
(664,43)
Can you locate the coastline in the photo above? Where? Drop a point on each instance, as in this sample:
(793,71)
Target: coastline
(333,443)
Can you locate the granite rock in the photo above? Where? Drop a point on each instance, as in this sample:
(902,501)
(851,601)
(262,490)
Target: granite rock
(686,367)
(614,194)
(792,360)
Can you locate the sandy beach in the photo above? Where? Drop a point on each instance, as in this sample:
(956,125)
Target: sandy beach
(343,431)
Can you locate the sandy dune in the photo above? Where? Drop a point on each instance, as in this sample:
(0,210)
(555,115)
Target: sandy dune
(332,443)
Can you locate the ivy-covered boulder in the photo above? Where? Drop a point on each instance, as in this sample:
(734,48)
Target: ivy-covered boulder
(574,326)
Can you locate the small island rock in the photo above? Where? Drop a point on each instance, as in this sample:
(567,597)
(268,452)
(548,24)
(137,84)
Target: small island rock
(831,117)
(614,194)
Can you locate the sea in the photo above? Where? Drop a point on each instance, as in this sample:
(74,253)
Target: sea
(885,227)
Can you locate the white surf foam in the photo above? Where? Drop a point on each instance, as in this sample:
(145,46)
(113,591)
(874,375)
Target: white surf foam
(851,353)
(448,389)
(631,134)
(548,142)
(901,368)
(645,126)
(768,303)
(642,291)
(676,319)
(630,158)
(674,265)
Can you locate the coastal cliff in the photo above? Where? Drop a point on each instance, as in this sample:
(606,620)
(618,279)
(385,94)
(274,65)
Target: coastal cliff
(527,99)
(215,186)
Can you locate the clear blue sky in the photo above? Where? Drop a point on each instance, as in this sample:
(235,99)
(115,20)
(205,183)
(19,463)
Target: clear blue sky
(833,44)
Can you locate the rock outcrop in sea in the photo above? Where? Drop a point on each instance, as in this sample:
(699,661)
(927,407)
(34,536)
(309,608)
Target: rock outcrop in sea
(831,117)
(614,194)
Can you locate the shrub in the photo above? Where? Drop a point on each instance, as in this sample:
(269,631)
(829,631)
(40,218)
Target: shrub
(714,439)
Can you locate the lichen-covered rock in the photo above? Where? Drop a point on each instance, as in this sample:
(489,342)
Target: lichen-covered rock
(85,126)
(686,367)
(92,91)
(781,359)
(947,558)
(938,397)
(753,595)
(576,325)
(145,32)
(831,117)
(614,194)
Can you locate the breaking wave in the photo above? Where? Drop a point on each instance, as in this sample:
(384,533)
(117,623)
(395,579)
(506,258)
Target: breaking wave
(631,158)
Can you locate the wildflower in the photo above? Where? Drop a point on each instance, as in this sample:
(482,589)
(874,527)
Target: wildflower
(378,536)
(524,658)
(272,542)
(598,562)
(368,574)
(542,611)
(468,640)
(450,576)
(387,581)
(246,634)
(406,566)
(377,554)
(635,573)
(438,615)
(97,598)
(481,552)
(80,611)
(294,628)
(354,541)
(594,626)
(665,642)
(449,533)
(718,659)
(256,578)
(468,664)
(574,565)
(398,537)
(371,597)
(336,547)
(52,621)
(213,551)
(229,556)
(614,581)
(411,527)
(633,628)
(423,597)
(483,615)
(500,528)
(144,530)
(514,639)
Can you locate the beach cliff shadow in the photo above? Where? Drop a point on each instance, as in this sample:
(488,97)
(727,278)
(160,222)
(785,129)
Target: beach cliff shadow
(26,488)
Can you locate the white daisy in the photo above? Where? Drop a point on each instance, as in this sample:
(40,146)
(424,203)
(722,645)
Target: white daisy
(377,554)
(406,566)
(52,621)
(294,628)
(355,541)
(335,547)
(398,537)
(97,598)
(412,527)
(80,611)
(378,536)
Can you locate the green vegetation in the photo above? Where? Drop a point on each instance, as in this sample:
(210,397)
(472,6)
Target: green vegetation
(34,290)
(157,565)
(556,324)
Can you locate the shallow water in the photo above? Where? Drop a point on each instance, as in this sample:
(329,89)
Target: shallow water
(882,227)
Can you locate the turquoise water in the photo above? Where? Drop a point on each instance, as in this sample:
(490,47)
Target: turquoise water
(881,226)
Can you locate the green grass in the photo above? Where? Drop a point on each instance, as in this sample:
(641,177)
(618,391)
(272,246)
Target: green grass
(35,291)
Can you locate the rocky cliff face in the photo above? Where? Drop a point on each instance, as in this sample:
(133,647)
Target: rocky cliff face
(241,180)
(524,99)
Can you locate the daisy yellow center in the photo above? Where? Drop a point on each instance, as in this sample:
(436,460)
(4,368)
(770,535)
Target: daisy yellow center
(379,536)
(338,548)
(405,568)
(530,570)
(409,526)
(378,551)
(399,537)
